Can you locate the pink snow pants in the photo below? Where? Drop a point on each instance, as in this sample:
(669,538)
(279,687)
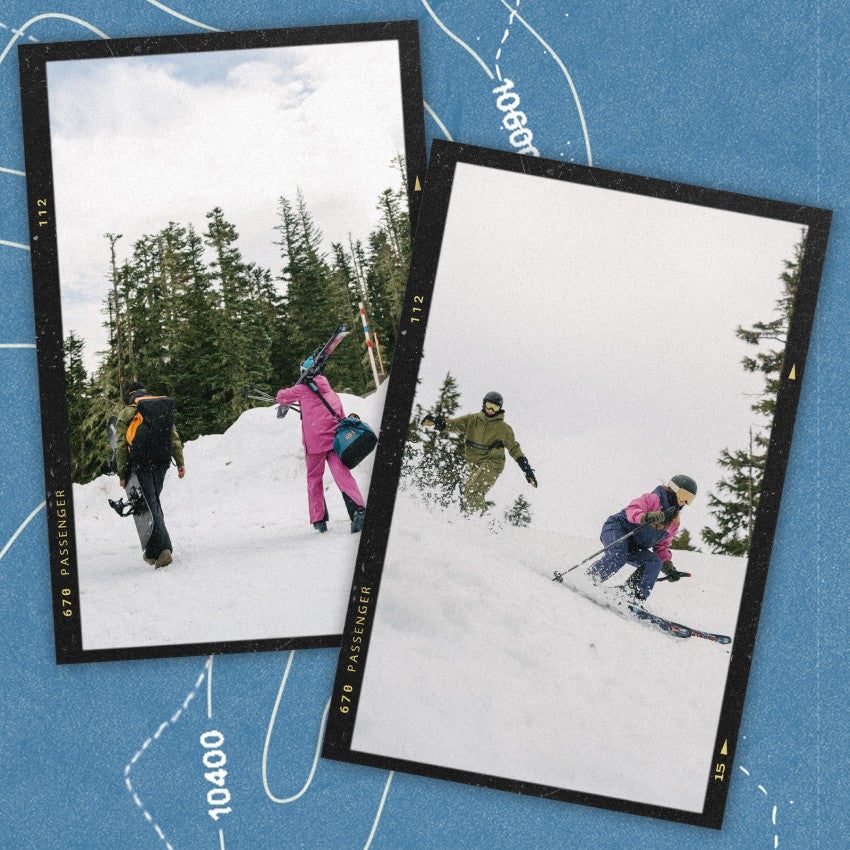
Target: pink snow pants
(315,474)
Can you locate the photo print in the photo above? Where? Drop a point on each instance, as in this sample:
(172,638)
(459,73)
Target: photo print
(579,476)
(220,230)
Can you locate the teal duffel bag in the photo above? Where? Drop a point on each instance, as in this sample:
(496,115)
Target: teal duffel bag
(354,440)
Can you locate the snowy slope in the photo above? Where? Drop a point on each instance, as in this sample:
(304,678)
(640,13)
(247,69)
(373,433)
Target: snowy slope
(479,661)
(247,563)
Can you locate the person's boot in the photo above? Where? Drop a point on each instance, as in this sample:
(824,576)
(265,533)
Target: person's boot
(164,559)
(148,560)
(631,590)
(357,520)
(321,526)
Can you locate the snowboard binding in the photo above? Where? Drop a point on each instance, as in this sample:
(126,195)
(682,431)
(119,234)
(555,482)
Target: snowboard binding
(133,504)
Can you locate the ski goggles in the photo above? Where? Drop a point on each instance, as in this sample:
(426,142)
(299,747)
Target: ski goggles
(492,408)
(684,496)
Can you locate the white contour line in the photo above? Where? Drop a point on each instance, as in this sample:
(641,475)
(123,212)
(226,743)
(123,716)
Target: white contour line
(440,124)
(13,171)
(462,43)
(14,244)
(380,810)
(162,727)
(209,687)
(285,800)
(221,839)
(47,16)
(182,17)
(21,527)
(773,813)
(17,345)
(504,39)
(564,71)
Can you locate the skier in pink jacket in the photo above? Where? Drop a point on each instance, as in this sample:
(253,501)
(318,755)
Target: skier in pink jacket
(640,535)
(317,432)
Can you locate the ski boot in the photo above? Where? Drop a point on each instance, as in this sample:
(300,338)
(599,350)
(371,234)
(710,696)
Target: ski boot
(357,520)
(164,559)
(321,526)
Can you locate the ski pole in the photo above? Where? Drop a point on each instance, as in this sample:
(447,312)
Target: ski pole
(559,576)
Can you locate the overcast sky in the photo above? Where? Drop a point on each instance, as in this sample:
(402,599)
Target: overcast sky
(607,320)
(141,141)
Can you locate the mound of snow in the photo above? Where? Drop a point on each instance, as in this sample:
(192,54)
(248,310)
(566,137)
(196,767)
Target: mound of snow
(247,563)
(479,661)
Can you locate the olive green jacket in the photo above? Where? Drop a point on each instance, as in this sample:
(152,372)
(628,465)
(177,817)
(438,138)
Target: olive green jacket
(481,431)
(122,452)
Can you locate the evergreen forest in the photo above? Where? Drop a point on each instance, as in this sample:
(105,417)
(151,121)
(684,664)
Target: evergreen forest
(190,316)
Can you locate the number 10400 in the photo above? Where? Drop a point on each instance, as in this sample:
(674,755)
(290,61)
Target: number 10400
(214,759)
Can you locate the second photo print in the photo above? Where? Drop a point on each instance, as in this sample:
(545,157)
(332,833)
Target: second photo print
(582,496)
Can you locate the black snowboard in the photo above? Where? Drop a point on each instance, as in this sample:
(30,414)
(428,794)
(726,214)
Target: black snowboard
(134,504)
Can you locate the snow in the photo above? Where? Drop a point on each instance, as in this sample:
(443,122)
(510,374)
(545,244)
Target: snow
(479,661)
(247,563)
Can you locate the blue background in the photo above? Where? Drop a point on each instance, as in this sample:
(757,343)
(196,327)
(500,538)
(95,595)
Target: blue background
(748,97)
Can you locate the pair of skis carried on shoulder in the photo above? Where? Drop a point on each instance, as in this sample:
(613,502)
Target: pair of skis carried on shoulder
(314,365)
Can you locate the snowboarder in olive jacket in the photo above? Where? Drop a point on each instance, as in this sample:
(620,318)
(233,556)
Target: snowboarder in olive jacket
(486,436)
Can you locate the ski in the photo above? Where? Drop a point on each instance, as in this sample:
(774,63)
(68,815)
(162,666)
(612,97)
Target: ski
(315,363)
(677,629)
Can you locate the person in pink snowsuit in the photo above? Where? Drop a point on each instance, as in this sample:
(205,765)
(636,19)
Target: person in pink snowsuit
(317,432)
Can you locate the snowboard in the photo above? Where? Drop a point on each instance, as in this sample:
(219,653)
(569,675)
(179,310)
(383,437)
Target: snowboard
(135,504)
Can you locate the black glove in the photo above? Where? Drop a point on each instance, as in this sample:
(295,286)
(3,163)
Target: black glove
(525,466)
(670,571)
(653,518)
(437,421)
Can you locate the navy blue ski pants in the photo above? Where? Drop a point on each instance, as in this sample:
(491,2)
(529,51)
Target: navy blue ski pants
(648,564)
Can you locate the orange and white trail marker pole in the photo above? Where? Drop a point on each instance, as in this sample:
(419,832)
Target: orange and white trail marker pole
(378,352)
(370,347)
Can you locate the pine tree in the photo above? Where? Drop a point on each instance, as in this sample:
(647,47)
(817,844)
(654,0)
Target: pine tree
(78,396)
(235,346)
(683,541)
(519,513)
(734,505)
(433,463)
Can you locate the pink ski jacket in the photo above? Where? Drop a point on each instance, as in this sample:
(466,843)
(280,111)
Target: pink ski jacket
(644,504)
(317,424)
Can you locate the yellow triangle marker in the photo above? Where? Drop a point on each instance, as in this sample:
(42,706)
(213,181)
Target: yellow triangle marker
(724,750)
(417,187)
(792,375)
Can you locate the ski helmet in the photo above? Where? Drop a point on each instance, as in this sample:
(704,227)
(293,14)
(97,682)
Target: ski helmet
(492,398)
(684,487)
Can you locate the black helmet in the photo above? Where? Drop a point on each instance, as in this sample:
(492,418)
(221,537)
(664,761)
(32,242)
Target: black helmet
(684,487)
(492,398)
